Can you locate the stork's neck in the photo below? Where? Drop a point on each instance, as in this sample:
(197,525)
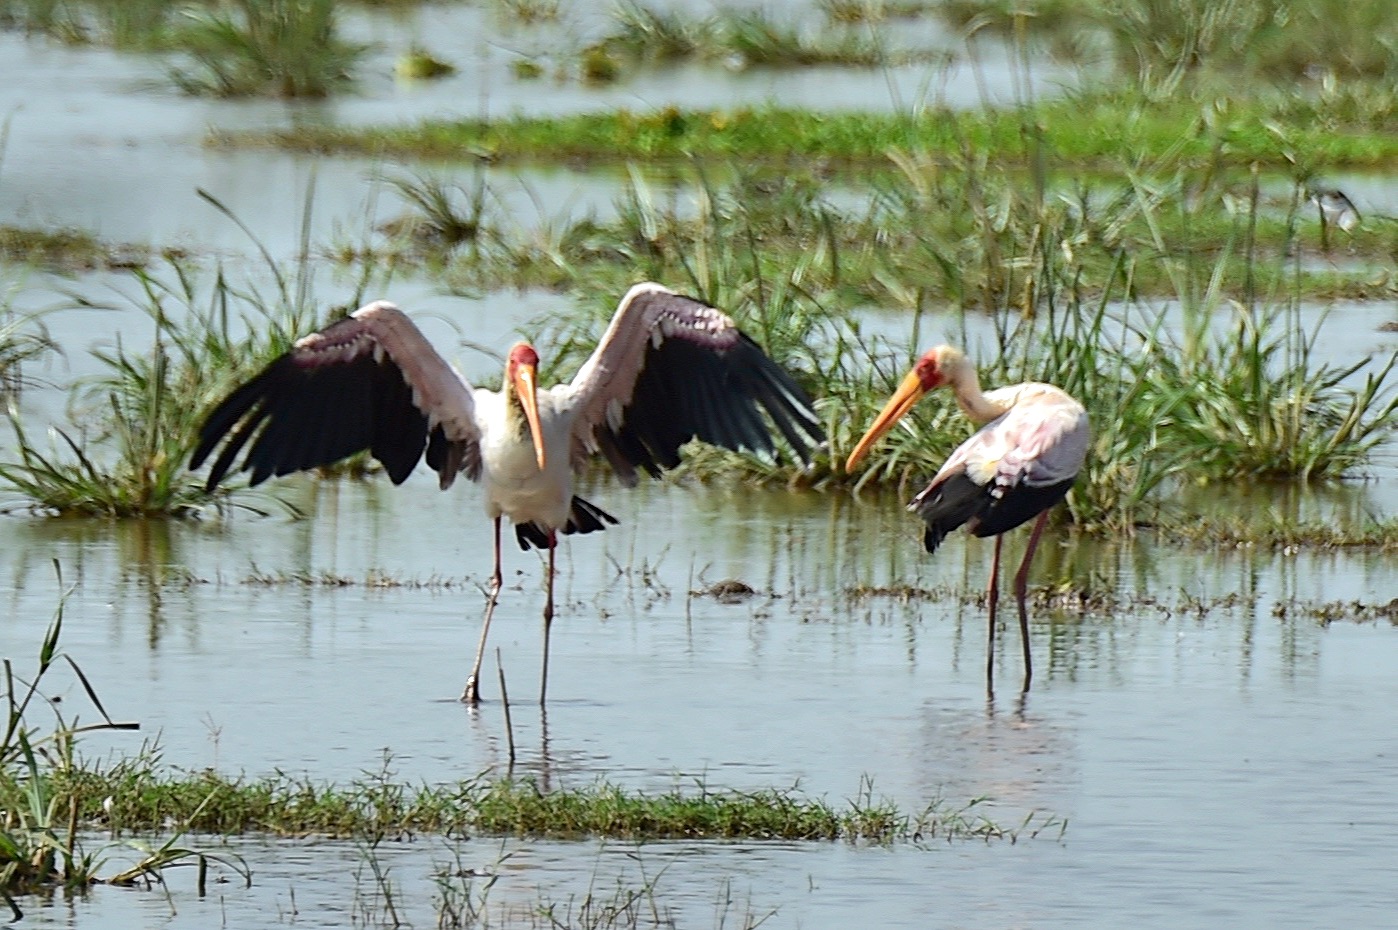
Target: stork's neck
(966,385)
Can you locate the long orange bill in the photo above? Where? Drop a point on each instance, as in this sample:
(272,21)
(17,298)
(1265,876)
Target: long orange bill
(526,388)
(903,399)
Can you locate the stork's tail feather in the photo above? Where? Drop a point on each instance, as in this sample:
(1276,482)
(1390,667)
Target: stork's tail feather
(585,517)
(949,505)
(958,500)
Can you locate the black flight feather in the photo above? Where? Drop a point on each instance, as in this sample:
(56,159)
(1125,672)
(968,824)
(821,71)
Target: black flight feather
(958,500)
(687,390)
(293,417)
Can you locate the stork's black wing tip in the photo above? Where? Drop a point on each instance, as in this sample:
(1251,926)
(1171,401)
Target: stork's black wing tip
(294,417)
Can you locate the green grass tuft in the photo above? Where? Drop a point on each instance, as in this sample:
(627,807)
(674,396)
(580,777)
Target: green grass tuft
(137,422)
(278,48)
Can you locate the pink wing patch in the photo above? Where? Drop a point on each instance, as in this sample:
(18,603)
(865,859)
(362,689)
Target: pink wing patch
(1041,440)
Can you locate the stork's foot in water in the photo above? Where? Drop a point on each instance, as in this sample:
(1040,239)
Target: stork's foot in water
(472,693)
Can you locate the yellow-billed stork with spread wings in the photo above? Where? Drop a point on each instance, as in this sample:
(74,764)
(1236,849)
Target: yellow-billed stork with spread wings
(1019,464)
(668,369)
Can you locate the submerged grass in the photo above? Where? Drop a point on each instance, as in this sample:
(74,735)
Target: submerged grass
(123,24)
(67,249)
(224,48)
(1328,612)
(735,39)
(1155,40)
(50,797)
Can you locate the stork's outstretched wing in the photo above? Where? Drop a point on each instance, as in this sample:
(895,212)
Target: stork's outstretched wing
(670,369)
(370,381)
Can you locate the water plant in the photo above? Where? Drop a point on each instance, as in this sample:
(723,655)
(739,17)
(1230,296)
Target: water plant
(736,38)
(656,36)
(124,24)
(40,838)
(139,419)
(751,38)
(1095,128)
(65,249)
(440,219)
(23,338)
(1262,404)
(1114,282)
(528,11)
(144,794)
(137,422)
(280,48)
(1058,280)
(1203,387)
(1161,42)
(418,64)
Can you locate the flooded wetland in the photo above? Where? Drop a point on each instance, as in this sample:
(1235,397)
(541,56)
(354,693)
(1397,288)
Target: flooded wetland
(767,704)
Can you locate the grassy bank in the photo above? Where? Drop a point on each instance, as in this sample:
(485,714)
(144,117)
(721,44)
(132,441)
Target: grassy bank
(1353,127)
(144,799)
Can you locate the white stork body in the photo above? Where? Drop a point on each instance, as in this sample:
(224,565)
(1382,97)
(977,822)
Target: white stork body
(668,369)
(1016,467)
(513,484)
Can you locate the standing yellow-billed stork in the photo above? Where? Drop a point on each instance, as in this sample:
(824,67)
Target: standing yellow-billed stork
(668,369)
(1019,464)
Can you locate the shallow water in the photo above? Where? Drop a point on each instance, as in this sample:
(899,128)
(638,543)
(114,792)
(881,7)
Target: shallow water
(1213,765)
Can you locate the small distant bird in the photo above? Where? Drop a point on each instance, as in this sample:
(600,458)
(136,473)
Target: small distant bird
(1335,208)
(668,369)
(1015,467)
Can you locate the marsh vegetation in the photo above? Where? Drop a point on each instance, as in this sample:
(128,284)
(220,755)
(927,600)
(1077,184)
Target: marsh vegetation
(1194,360)
(1147,239)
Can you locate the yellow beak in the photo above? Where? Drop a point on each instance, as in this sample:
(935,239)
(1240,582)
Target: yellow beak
(903,399)
(526,389)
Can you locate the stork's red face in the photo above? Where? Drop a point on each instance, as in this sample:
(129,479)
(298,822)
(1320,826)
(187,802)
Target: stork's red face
(927,374)
(931,373)
(522,373)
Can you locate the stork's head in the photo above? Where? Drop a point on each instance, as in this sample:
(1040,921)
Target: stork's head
(937,367)
(522,381)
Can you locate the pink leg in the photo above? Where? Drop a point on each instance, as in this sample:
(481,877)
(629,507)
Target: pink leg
(1022,590)
(472,693)
(992,596)
(548,620)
